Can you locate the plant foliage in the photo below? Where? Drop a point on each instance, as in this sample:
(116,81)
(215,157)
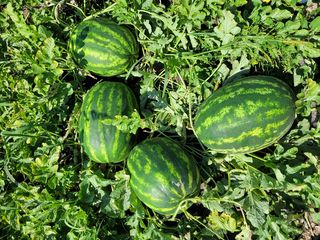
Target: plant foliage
(49,189)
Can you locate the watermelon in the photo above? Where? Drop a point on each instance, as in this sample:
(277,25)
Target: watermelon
(163,174)
(105,143)
(246,115)
(103,47)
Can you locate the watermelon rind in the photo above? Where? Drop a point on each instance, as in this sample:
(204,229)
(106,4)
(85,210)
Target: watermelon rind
(163,174)
(105,143)
(246,115)
(103,47)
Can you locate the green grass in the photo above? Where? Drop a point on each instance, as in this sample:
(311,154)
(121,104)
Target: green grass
(49,189)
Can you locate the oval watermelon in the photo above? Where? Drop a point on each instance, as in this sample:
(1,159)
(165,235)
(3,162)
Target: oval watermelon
(103,47)
(162,174)
(246,115)
(105,143)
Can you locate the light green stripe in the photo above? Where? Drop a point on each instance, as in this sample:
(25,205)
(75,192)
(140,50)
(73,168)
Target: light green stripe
(177,154)
(87,137)
(242,111)
(103,28)
(87,109)
(135,163)
(138,191)
(103,45)
(110,102)
(259,81)
(191,177)
(141,186)
(275,126)
(108,31)
(101,128)
(147,165)
(165,210)
(110,57)
(257,147)
(271,114)
(217,116)
(162,180)
(179,184)
(113,62)
(125,149)
(118,104)
(147,169)
(258,131)
(186,164)
(131,167)
(88,98)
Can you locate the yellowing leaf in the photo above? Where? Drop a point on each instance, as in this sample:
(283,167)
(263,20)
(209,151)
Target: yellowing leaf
(223,221)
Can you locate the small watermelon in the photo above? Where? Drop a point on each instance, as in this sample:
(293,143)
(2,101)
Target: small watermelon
(103,47)
(246,115)
(162,174)
(105,143)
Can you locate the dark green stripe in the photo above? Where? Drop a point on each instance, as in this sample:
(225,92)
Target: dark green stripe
(99,139)
(101,28)
(245,92)
(101,127)
(250,104)
(104,46)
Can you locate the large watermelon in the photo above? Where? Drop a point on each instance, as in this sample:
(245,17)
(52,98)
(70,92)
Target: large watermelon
(103,47)
(162,174)
(246,115)
(105,143)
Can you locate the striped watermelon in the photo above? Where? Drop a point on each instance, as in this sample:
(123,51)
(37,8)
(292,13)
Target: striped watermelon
(246,115)
(162,174)
(105,143)
(103,47)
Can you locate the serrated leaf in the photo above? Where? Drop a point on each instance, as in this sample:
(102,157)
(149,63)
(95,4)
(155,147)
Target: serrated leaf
(118,201)
(238,66)
(92,187)
(227,27)
(256,209)
(245,234)
(310,50)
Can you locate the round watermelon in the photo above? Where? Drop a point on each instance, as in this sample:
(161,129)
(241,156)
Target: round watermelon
(246,115)
(163,174)
(103,47)
(105,143)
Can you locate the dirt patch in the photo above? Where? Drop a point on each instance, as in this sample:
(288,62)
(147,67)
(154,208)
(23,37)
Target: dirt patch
(312,233)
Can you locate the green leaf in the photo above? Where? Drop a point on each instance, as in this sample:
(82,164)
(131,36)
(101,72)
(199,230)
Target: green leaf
(256,209)
(279,14)
(290,27)
(227,27)
(92,186)
(118,201)
(315,25)
(245,233)
(222,222)
(239,3)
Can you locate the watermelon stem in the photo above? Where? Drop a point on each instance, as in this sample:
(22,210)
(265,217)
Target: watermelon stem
(103,11)
(132,67)
(254,156)
(76,7)
(214,72)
